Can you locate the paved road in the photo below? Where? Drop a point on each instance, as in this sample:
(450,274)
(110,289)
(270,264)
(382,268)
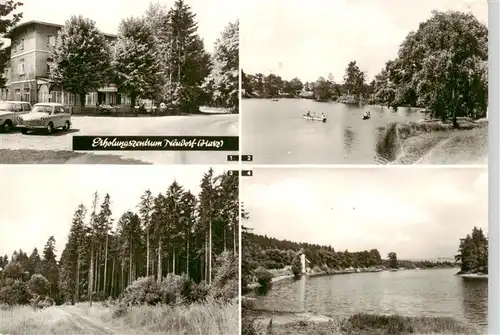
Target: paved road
(196,125)
(86,324)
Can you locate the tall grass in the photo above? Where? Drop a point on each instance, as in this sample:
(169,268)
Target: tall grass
(197,319)
(360,324)
(24,320)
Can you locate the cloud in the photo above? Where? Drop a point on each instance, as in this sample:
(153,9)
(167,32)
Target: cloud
(310,43)
(410,211)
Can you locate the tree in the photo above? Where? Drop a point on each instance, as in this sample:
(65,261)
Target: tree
(393,258)
(145,213)
(297,266)
(80,60)
(354,80)
(50,269)
(442,66)
(185,59)
(8,19)
(223,80)
(135,60)
(473,252)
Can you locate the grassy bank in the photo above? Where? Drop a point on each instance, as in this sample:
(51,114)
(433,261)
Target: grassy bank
(412,142)
(358,324)
(29,156)
(197,319)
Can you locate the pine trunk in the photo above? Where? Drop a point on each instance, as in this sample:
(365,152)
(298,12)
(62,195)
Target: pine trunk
(77,281)
(187,256)
(91,273)
(173,261)
(210,254)
(234,240)
(106,265)
(159,261)
(147,252)
(130,263)
(112,277)
(122,279)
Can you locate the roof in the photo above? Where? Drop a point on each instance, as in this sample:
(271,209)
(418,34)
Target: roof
(42,23)
(47,104)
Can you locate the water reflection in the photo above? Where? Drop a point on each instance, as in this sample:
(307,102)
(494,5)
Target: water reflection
(475,298)
(436,293)
(302,292)
(276,132)
(348,139)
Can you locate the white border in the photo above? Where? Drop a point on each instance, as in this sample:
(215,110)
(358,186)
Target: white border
(493,185)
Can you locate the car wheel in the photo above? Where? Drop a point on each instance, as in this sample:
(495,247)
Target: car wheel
(67,125)
(50,128)
(7,126)
(24,131)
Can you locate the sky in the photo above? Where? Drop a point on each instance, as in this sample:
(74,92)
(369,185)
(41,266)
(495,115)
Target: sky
(419,213)
(37,201)
(212,16)
(309,39)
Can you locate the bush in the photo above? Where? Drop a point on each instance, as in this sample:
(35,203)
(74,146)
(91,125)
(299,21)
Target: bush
(38,285)
(225,281)
(297,267)
(199,292)
(14,293)
(39,302)
(264,277)
(142,291)
(174,289)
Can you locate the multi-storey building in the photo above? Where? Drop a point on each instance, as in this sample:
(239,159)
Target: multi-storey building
(27,73)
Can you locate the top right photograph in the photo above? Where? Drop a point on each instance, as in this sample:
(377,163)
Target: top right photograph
(365,82)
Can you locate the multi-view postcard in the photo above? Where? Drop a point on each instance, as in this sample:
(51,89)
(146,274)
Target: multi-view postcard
(121,82)
(365,82)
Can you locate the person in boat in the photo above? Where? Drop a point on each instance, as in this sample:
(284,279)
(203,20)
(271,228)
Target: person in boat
(323,116)
(308,113)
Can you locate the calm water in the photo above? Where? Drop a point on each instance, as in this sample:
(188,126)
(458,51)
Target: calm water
(407,293)
(276,133)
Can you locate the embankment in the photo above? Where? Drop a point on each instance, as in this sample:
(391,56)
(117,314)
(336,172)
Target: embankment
(262,322)
(434,142)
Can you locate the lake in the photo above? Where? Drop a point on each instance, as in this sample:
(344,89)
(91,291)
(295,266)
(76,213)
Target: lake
(407,293)
(275,132)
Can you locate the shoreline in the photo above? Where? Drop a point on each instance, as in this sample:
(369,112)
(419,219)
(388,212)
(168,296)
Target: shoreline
(302,323)
(279,279)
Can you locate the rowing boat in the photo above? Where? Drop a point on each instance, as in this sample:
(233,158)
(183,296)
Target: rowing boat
(315,118)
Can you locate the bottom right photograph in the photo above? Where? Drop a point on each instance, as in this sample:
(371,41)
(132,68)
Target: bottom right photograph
(385,250)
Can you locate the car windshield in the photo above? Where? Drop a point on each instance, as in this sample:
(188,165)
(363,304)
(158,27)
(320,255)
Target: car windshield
(41,109)
(6,106)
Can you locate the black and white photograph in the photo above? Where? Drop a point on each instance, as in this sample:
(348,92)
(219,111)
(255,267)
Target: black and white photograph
(365,82)
(365,251)
(116,68)
(118,250)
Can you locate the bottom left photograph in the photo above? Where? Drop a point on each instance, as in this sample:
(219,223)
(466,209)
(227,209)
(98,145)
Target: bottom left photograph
(119,250)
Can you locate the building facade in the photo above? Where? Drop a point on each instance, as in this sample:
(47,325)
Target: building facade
(27,73)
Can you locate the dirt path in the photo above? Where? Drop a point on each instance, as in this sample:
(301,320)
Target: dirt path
(93,327)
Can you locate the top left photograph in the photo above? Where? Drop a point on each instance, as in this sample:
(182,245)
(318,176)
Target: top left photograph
(119,82)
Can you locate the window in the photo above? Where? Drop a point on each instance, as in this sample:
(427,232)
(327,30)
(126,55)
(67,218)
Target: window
(26,107)
(51,40)
(58,110)
(21,46)
(20,67)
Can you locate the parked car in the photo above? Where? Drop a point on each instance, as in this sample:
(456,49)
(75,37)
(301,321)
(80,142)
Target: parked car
(46,116)
(10,113)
